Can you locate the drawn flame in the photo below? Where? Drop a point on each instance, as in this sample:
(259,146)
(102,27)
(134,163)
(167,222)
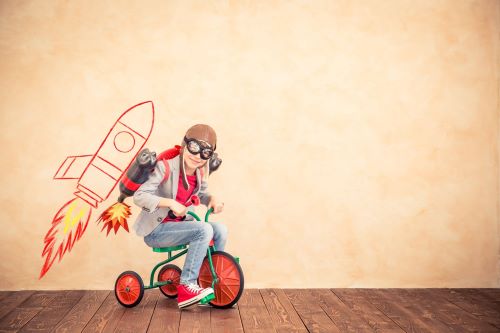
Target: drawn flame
(114,217)
(68,226)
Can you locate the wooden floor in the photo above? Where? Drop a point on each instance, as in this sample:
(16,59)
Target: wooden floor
(259,310)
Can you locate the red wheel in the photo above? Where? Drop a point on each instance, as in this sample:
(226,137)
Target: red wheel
(170,273)
(129,289)
(230,286)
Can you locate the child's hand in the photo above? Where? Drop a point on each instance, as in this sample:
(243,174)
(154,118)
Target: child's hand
(178,208)
(218,207)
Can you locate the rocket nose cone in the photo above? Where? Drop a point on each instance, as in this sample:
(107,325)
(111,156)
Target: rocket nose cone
(140,118)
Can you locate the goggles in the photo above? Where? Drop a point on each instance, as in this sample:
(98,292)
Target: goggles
(198,147)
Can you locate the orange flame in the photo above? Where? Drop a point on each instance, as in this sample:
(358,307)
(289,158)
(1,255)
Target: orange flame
(68,226)
(115,216)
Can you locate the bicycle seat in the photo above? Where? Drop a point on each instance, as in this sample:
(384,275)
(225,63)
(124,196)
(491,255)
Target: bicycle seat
(169,248)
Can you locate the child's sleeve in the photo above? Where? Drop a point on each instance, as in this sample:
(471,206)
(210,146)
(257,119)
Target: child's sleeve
(203,194)
(145,196)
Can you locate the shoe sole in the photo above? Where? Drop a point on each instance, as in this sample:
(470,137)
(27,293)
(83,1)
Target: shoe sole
(195,299)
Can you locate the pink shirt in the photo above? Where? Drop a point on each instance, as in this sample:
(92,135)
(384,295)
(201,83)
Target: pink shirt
(183,195)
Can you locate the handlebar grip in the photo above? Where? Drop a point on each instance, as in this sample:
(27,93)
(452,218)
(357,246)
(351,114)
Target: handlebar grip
(210,211)
(173,216)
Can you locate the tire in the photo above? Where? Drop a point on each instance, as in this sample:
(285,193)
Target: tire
(129,289)
(231,281)
(173,273)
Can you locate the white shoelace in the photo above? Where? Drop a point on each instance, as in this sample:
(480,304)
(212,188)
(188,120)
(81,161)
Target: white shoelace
(194,287)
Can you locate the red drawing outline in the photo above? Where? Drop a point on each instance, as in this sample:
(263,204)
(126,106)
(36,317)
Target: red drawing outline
(133,130)
(133,144)
(114,166)
(104,172)
(84,194)
(89,190)
(79,195)
(69,166)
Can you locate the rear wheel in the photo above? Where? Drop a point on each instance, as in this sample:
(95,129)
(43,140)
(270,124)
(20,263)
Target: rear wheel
(170,273)
(129,289)
(228,289)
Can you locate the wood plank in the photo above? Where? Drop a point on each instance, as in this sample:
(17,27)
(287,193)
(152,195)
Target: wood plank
(491,293)
(137,319)
(76,319)
(106,317)
(253,312)
(166,316)
(311,313)
(5,293)
(487,300)
(342,315)
(403,311)
(195,319)
(375,318)
(42,298)
(17,318)
(225,320)
(450,314)
(473,302)
(29,308)
(49,316)
(282,312)
(12,300)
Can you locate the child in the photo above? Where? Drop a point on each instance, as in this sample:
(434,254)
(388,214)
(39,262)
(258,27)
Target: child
(188,173)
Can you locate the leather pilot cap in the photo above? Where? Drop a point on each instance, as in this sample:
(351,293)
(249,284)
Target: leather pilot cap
(199,132)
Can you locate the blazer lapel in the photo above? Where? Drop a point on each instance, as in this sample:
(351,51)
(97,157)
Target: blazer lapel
(175,176)
(198,181)
(175,165)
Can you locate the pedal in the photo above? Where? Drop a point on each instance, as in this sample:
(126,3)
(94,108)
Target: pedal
(207,299)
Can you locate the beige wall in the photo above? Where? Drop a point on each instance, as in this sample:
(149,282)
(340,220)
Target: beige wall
(360,139)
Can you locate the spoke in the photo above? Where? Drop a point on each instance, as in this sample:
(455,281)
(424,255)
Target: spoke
(232,279)
(229,270)
(216,263)
(126,296)
(228,292)
(132,293)
(223,283)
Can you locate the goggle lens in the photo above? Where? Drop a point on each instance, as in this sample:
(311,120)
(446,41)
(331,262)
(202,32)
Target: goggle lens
(194,147)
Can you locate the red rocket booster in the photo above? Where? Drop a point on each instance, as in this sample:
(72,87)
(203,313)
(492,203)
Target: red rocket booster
(97,175)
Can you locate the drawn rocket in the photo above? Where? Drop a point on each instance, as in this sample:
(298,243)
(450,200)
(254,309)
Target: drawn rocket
(97,175)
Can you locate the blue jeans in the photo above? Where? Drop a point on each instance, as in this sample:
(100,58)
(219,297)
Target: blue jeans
(197,235)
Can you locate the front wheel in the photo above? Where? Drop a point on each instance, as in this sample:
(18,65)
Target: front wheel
(229,288)
(129,289)
(170,273)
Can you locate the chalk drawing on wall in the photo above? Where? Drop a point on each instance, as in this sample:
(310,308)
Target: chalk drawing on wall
(97,176)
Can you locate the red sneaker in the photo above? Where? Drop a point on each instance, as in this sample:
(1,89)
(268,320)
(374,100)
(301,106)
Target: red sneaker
(191,294)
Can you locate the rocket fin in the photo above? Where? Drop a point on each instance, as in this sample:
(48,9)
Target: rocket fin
(73,167)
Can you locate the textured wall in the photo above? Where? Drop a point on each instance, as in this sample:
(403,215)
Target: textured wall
(359,138)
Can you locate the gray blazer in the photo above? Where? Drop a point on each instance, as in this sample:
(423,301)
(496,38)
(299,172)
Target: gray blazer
(148,196)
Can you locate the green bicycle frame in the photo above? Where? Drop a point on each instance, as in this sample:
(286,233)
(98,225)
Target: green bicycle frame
(210,249)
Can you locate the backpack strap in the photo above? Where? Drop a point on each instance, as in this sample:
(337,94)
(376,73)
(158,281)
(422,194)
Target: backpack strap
(168,155)
(167,171)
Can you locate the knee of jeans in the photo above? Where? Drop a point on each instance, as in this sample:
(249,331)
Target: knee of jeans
(146,240)
(206,231)
(222,230)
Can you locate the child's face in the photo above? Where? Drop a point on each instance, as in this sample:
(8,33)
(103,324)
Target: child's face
(193,161)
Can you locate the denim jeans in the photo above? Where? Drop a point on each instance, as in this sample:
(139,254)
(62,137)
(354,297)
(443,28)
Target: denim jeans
(196,234)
